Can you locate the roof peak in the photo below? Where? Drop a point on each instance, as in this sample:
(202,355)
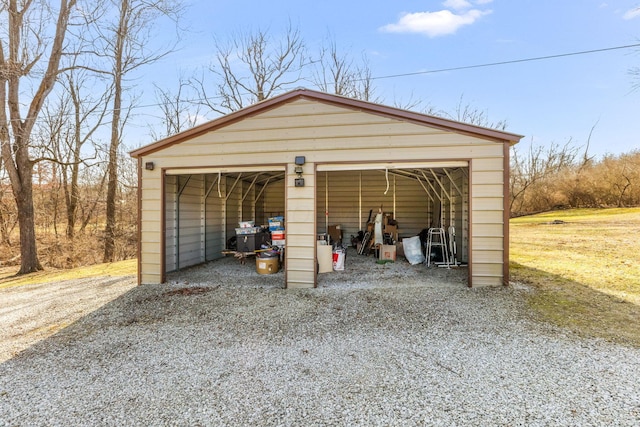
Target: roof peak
(339,100)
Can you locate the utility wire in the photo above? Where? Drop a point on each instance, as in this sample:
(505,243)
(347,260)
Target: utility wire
(513,61)
(439,70)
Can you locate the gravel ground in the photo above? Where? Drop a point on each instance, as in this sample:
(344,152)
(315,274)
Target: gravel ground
(211,348)
(30,313)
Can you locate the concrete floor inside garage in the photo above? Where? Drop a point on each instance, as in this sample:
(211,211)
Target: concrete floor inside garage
(361,272)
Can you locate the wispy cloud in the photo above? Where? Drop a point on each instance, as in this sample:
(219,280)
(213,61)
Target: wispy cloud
(457,14)
(632,13)
(457,4)
(434,24)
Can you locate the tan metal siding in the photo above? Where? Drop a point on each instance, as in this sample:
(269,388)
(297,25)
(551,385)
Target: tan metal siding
(274,200)
(488,219)
(185,237)
(150,225)
(365,148)
(191,222)
(247,212)
(413,209)
(340,202)
(461,222)
(260,217)
(300,217)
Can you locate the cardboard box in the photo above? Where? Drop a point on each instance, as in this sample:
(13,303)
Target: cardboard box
(392,230)
(388,252)
(335,232)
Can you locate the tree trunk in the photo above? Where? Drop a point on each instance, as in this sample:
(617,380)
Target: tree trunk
(29,262)
(112,167)
(72,194)
(110,228)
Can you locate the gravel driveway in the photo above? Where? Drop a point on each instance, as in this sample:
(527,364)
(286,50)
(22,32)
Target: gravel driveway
(230,352)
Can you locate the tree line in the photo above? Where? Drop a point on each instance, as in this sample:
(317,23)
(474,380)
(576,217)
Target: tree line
(558,176)
(68,93)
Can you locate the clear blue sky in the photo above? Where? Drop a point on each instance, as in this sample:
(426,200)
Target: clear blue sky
(547,101)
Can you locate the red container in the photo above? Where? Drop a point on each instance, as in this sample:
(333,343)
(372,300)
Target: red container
(277,235)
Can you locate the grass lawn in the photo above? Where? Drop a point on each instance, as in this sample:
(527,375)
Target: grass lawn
(585,267)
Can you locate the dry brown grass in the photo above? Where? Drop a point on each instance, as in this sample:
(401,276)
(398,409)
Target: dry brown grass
(584,268)
(55,251)
(8,276)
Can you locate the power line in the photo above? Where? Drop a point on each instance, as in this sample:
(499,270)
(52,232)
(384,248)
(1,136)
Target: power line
(463,67)
(439,70)
(513,61)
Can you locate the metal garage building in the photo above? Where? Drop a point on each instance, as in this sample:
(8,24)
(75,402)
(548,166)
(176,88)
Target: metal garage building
(194,187)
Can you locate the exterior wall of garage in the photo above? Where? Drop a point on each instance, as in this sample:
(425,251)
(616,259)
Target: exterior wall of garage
(328,133)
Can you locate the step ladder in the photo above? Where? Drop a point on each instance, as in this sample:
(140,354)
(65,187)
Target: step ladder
(436,238)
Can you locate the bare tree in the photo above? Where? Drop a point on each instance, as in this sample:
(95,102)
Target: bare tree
(336,72)
(537,165)
(125,44)
(412,103)
(618,179)
(28,53)
(467,113)
(178,112)
(68,127)
(253,67)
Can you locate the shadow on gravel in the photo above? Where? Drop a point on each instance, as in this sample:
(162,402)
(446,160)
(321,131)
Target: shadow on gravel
(34,311)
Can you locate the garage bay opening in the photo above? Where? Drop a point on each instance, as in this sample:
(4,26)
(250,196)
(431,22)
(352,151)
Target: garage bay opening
(393,224)
(221,225)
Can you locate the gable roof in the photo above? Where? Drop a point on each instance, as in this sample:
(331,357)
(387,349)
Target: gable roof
(341,101)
